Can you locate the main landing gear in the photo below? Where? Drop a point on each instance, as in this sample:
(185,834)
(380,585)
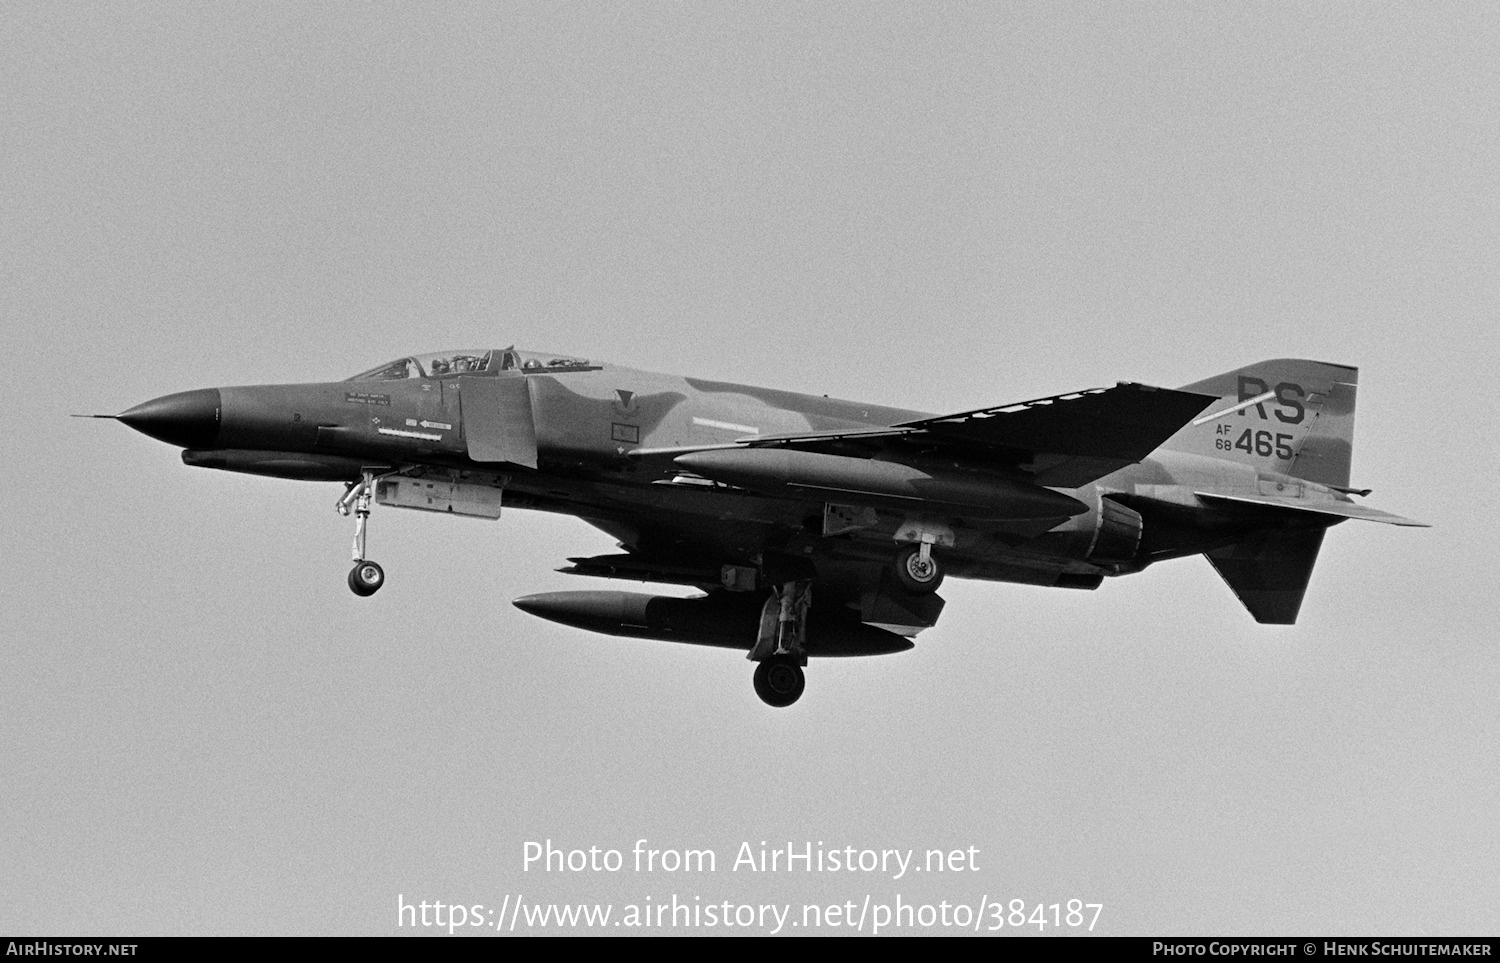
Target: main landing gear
(779,681)
(917,570)
(366,577)
(779,648)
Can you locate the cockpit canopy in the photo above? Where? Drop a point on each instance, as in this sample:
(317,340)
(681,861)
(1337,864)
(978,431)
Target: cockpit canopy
(449,364)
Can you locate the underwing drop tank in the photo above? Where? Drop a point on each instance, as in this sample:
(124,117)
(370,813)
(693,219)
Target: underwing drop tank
(724,621)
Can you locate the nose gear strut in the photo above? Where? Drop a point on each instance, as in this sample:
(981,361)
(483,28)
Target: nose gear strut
(366,577)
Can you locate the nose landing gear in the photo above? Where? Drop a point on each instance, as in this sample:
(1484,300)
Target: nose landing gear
(366,577)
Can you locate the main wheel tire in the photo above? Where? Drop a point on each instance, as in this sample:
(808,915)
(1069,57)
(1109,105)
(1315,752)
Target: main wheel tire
(365,578)
(779,681)
(914,574)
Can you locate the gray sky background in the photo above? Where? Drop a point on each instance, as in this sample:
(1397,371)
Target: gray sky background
(938,206)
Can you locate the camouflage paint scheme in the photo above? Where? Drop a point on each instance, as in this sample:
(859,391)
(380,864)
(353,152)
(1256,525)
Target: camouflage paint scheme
(747,492)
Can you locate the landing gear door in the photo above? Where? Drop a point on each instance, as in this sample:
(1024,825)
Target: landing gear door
(498,425)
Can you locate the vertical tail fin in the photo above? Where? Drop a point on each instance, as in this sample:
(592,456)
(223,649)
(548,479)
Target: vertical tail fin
(1286,415)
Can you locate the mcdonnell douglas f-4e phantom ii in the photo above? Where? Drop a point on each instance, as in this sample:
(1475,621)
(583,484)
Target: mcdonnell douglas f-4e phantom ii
(814,527)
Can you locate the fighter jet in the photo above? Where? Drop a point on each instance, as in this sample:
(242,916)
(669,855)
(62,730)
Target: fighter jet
(811,526)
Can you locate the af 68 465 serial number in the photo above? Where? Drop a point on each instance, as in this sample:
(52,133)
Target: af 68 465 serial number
(1262,443)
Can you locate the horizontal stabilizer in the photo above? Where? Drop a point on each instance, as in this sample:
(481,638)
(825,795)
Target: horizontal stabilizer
(1269,572)
(1336,509)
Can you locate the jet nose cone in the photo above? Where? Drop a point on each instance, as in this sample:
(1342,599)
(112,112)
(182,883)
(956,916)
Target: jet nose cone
(187,419)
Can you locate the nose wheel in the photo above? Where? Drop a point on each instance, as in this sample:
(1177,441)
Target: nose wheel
(366,577)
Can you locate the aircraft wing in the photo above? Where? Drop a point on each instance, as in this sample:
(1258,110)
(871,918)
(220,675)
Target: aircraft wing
(1073,439)
(1065,441)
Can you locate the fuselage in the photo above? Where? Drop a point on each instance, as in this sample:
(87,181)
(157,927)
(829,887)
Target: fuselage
(813,526)
(596,430)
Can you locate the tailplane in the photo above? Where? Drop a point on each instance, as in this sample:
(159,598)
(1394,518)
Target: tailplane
(1269,571)
(1293,421)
